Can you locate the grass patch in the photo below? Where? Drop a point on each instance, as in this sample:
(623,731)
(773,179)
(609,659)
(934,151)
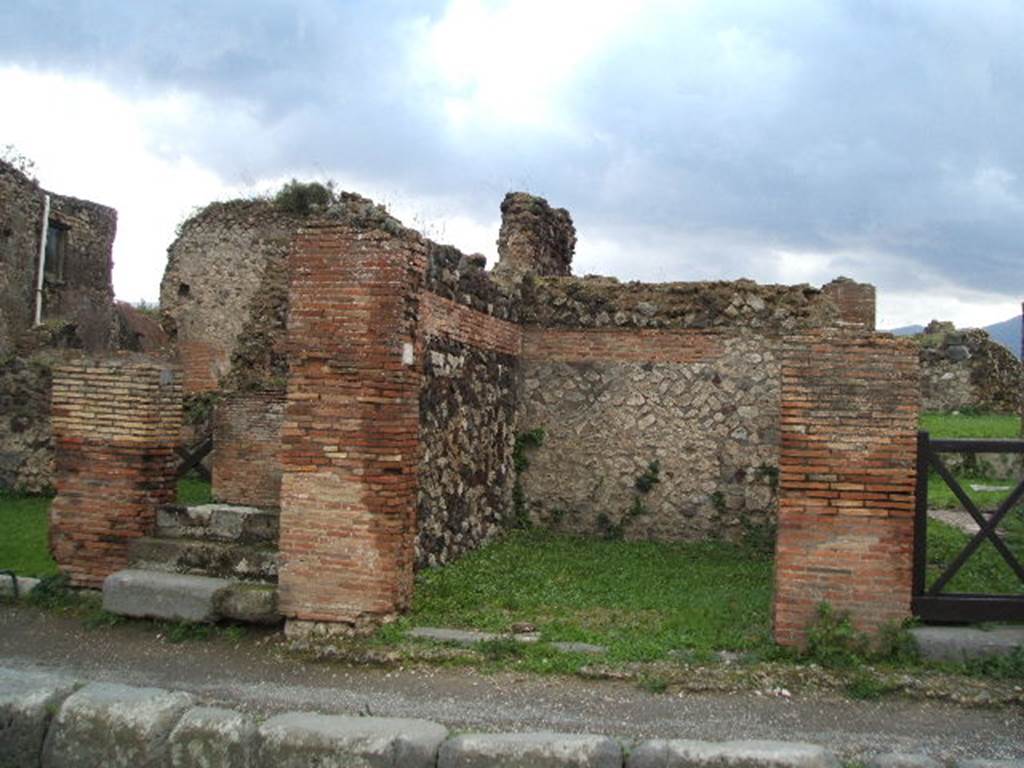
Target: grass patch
(968,424)
(193,490)
(985,571)
(24,525)
(24,522)
(643,600)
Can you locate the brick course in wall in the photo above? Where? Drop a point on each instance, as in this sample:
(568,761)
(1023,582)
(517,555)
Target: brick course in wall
(856,301)
(443,317)
(850,407)
(247,459)
(351,429)
(116,424)
(621,346)
(202,365)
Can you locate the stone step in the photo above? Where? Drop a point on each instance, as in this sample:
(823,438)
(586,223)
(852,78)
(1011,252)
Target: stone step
(184,597)
(225,560)
(218,522)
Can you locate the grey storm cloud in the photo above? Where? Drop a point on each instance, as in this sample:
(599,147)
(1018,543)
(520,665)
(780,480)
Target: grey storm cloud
(887,128)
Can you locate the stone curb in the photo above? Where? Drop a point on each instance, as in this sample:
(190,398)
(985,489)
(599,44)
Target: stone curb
(25,585)
(47,721)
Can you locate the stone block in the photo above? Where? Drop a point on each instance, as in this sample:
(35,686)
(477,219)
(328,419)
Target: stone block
(251,603)
(25,585)
(902,760)
(661,753)
(300,739)
(962,643)
(114,726)
(209,737)
(533,750)
(28,701)
(173,596)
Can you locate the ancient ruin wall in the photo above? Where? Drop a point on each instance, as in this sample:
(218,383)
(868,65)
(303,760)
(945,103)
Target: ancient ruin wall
(467,408)
(116,425)
(247,459)
(534,237)
(850,406)
(967,370)
(77,289)
(26,439)
(224,257)
(675,382)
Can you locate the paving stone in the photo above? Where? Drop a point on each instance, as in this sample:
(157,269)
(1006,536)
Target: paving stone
(460,636)
(25,585)
(902,760)
(209,737)
(251,603)
(662,753)
(173,596)
(961,643)
(28,701)
(114,726)
(529,750)
(990,763)
(301,739)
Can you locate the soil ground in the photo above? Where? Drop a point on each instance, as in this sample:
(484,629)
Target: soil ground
(255,674)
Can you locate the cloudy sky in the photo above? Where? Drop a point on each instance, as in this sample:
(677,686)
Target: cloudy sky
(783,141)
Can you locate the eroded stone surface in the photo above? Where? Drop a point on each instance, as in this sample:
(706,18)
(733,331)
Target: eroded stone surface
(114,726)
(27,703)
(210,737)
(529,750)
(730,754)
(299,739)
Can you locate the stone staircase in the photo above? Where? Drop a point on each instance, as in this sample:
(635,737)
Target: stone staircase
(202,563)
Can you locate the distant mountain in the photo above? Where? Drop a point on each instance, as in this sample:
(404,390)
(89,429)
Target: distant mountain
(1006,333)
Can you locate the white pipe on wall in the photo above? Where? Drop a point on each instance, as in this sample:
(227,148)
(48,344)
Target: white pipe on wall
(42,259)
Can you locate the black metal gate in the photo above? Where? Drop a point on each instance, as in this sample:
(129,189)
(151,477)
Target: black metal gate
(931,602)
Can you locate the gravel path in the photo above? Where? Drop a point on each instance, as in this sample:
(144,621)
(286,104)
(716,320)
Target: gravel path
(253,675)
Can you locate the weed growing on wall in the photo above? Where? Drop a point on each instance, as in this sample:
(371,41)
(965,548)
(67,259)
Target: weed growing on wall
(303,198)
(531,439)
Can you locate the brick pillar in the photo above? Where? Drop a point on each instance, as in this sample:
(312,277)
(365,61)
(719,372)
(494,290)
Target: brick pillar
(856,301)
(247,449)
(115,424)
(850,406)
(351,429)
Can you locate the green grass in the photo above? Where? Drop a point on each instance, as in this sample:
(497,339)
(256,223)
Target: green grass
(640,599)
(986,571)
(24,522)
(970,425)
(193,490)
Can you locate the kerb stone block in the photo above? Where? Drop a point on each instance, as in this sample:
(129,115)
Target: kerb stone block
(661,753)
(210,737)
(114,726)
(529,750)
(27,703)
(300,739)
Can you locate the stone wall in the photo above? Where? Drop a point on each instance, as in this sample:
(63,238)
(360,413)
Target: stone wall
(534,237)
(226,257)
(116,425)
(702,407)
(850,406)
(676,382)
(967,370)
(77,288)
(247,459)
(26,440)
(467,427)
(351,433)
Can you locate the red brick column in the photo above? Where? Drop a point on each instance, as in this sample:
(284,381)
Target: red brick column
(116,425)
(247,449)
(351,428)
(856,301)
(847,470)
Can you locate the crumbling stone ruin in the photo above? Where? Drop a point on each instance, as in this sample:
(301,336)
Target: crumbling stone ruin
(967,370)
(390,404)
(75,307)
